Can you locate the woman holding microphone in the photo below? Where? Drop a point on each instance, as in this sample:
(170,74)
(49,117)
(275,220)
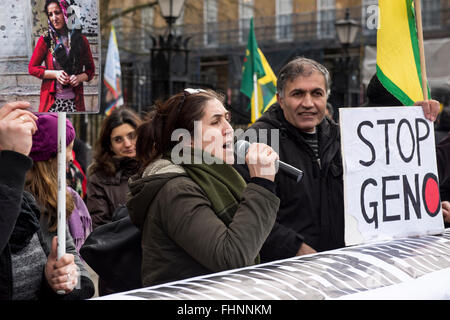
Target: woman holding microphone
(197,215)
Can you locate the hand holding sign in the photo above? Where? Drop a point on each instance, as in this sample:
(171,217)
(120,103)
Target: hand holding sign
(305,249)
(446,211)
(430,108)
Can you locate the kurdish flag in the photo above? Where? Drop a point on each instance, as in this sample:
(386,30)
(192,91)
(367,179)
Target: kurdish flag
(398,57)
(112,75)
(257,73)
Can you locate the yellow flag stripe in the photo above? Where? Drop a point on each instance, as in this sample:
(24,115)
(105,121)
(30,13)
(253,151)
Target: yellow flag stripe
(397,66)
(396,91)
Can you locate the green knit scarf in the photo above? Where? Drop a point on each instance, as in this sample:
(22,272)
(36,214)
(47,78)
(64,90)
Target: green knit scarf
(222,184)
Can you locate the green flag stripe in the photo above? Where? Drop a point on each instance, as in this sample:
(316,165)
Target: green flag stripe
(252,63)
(414,39)
(392,88)
(415,42)
(268,91)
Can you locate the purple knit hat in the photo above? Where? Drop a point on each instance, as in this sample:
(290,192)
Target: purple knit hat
(45,139)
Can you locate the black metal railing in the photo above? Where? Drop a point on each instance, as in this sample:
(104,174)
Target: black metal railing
(317,25)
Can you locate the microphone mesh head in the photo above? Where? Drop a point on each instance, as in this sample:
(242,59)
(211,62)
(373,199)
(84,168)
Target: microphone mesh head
(241,148)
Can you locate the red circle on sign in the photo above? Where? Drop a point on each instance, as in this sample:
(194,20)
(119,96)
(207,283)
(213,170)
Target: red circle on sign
(431,195)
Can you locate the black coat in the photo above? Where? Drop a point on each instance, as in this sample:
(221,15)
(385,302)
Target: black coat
(443,158)
(313,209)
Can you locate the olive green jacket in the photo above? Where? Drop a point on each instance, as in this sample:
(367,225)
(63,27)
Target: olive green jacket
(181,235)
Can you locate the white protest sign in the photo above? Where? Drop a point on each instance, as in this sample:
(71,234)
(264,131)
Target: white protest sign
(391,188)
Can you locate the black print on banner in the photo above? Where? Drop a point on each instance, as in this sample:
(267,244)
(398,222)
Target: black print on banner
(322,276)
(429,194)
(416,138)
(415,257)
(429,197)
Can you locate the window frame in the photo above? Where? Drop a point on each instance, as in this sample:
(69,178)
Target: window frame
(284,30)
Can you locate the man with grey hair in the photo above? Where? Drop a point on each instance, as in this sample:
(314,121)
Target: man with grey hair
(311,213)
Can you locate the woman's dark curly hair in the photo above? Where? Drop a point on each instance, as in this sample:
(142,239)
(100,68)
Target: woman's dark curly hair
(48,2)
(103,155)
(178,112)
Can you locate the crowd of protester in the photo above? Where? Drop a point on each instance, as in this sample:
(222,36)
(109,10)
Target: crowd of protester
(197,211)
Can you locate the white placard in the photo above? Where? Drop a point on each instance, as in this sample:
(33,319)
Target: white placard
(391,188)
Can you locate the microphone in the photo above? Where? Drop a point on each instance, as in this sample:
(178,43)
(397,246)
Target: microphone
(241,149)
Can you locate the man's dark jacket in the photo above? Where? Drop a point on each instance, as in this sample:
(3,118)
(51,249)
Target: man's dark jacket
(313,209)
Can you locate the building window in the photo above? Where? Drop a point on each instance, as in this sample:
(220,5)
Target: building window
(284,19)
(326,16)
(147,16)
(431,14)
(245,15)
(210,22)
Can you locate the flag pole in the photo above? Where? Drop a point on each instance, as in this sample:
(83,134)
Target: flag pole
(423,67)
(61,197)
(61,207)
(255,92)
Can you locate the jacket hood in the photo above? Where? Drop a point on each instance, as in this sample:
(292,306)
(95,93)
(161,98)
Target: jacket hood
(145,187)
(273,116)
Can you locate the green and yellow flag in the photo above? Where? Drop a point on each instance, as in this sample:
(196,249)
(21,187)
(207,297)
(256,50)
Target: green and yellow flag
(398,57)
(256,63)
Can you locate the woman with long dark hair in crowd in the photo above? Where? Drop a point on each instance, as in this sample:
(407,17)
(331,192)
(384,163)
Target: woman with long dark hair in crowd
(113,163)
(198,216)
(68,62)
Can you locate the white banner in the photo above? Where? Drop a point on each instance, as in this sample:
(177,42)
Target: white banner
(351,272)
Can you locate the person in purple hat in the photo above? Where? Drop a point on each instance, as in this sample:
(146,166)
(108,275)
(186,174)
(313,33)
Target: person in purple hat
(29,268)
(42,183)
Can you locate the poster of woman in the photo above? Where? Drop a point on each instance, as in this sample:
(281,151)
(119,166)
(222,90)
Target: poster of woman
(59,70)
